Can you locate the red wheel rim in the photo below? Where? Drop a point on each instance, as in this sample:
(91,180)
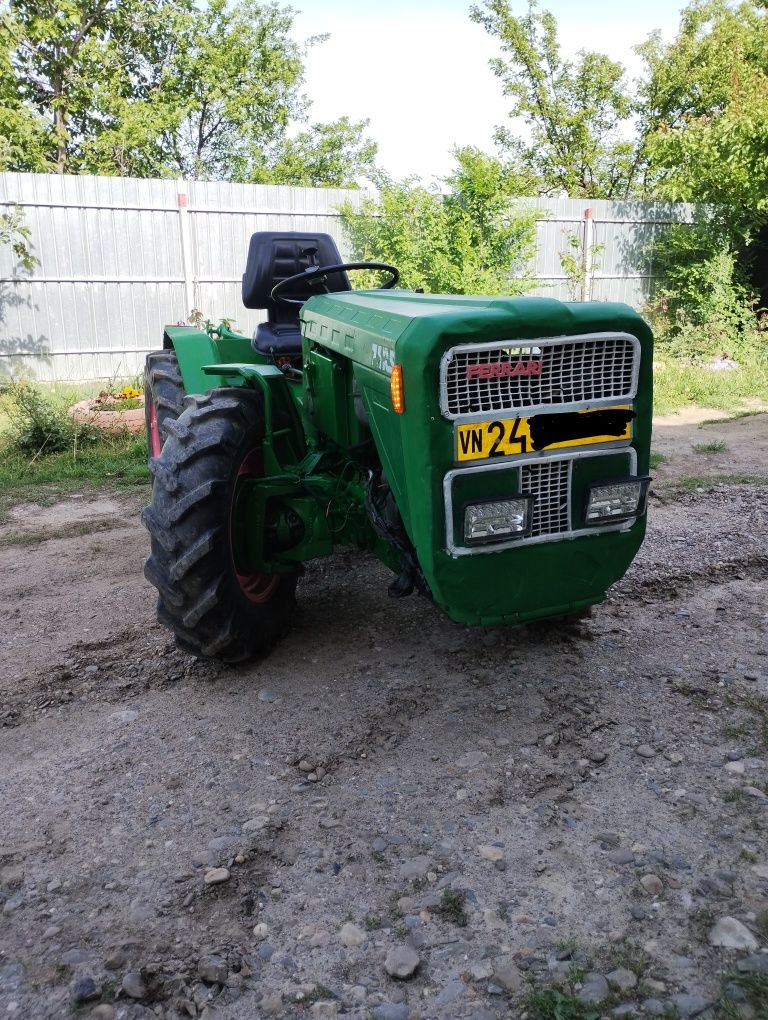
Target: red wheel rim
(258,586)
(155,442)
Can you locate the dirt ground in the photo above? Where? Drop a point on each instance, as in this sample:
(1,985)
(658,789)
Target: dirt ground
(484,813)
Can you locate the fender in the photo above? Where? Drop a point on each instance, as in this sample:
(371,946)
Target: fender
(195,348)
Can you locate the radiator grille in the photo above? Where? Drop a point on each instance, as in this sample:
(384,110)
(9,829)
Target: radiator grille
(548,481)
(577,370)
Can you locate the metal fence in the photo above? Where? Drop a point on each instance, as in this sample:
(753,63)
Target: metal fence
(118,258)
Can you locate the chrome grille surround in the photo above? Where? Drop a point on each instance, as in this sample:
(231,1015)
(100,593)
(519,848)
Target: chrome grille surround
(548,479)
(588,370)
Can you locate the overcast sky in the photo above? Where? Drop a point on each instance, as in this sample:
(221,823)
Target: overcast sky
(419,68)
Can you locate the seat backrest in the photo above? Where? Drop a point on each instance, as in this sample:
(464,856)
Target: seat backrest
(275,255)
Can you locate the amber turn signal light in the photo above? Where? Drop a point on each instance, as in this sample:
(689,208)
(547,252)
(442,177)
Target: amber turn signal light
(396,389)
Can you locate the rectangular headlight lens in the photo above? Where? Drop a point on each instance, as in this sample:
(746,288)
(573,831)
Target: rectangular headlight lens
(608,502)
(492,522)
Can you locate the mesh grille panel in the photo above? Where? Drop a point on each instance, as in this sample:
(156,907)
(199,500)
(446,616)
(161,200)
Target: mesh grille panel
(548,481)
(549,373)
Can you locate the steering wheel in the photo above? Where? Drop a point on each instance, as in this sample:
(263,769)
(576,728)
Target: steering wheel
(317,275)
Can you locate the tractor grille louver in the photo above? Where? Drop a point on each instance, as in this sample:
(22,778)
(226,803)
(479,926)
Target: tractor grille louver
(548,481)
(589,370)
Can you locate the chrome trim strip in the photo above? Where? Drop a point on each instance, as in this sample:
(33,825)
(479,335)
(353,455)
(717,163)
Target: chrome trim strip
(463,550)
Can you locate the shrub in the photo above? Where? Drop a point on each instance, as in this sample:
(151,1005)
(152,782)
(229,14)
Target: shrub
(42,424)
(468,240)
(705,307)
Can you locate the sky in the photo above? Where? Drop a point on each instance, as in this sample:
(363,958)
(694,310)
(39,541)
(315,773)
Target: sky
(418,69)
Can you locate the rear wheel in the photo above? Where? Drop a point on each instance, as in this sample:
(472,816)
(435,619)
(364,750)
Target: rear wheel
(214,603)
(163,397)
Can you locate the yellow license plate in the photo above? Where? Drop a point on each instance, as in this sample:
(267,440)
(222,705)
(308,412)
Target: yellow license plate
(508,437)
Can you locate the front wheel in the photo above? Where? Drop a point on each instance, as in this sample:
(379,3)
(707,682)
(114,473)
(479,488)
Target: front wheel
(215,605)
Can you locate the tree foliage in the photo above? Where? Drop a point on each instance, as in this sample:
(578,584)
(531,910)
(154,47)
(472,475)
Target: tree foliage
(709,93)
(171,88)
(466,241)
(579,114)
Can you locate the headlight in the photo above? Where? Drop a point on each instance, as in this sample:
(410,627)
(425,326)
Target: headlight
(492,522)
(609,502)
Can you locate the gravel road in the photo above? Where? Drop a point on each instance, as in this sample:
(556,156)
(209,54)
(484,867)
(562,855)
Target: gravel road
(392,816)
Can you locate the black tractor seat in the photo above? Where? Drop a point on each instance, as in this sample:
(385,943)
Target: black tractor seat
(274,256)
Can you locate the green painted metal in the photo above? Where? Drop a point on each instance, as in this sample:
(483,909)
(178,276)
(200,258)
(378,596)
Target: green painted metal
(326,430)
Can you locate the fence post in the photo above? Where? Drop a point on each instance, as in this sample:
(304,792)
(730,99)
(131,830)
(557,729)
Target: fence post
(587,246)
(186,248)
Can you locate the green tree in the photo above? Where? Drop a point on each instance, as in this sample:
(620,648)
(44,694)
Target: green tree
(580,114)
(335,155)
(171,88)
(466,241)
(708,93)
(66,55)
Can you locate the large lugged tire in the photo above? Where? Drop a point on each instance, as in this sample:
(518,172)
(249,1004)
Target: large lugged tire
(214,610)
(163,397)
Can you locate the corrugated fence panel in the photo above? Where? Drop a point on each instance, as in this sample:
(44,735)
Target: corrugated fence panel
(120,258)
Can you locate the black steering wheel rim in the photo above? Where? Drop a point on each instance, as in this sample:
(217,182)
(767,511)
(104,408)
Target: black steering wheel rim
(317,275)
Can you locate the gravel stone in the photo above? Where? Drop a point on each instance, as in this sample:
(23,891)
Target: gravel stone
(213,970)
(689,1005)
(391,1011)
(622,979)
(593,990)
(491,853)
(83,989)
(652,885)
(507,974)
(757,964)
(645,751)
(351,936)
(729,933)
(216,876)
(133,985)
(402,962)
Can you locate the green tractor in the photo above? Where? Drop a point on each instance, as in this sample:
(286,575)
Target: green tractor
(492,451)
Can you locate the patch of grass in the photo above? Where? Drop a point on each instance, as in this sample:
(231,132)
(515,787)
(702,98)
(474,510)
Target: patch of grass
(656,459)
(731,417)
(694,482)
(117,461)
(679,384)
(371,922)
(755,989)
(452,907)
(629,955)
(734,796)
(551,1004)
(715,446)
(749,856)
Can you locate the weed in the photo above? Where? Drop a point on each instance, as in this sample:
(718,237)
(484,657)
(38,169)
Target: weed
(701,921)
(714,446)
(734,796)
(575,974)
(749,856)
(628,955)
(656,459)
(372,922)
(754,987)
(319,993)
(452,906)
(551,1004)
(402,931)
(567,946)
